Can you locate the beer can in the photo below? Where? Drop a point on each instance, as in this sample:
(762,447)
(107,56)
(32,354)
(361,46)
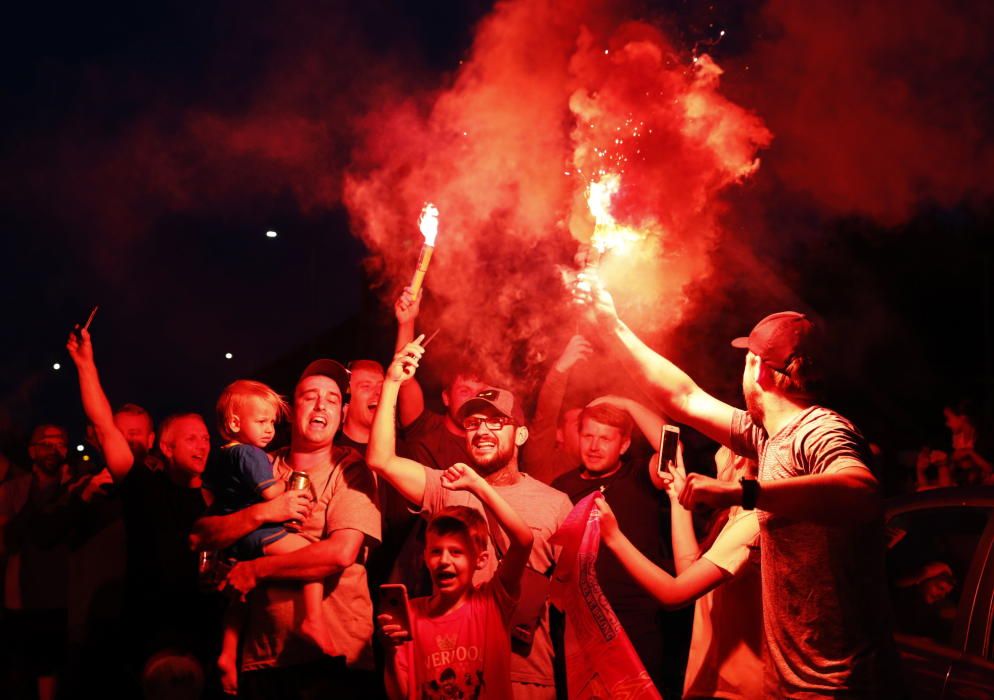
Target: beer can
(298,481)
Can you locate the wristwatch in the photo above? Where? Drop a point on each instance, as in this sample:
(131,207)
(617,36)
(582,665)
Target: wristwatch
(750,492)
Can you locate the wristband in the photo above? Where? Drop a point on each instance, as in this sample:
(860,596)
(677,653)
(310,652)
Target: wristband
(750,492)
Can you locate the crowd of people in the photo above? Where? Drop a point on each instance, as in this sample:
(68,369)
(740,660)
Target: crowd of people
(392,551)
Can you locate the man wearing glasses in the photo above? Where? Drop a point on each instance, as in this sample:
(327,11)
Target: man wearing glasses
(495,431)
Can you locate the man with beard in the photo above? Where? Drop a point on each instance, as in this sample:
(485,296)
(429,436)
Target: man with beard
(136,426)
(495,431)
(34,518)
(435,439)
(825,608)
(343,523)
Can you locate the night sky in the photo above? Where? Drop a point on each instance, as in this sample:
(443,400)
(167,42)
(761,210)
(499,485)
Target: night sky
(147,149)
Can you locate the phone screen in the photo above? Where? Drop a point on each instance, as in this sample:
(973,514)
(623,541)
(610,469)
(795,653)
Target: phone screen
(668,445)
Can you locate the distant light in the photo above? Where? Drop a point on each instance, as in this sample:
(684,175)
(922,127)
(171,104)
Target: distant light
(86,458)
(56,366)
(80,448)
(228,355)
(271,234)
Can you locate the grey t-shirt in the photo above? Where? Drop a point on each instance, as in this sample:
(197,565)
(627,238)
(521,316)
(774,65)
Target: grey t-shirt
(544,509)
(826,613)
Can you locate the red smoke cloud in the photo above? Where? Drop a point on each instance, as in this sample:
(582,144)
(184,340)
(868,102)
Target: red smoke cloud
(553,96)
(877,106)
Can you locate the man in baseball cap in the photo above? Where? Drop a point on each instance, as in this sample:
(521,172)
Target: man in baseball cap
(343,522)
(495,431)
(779,339)
(825,615)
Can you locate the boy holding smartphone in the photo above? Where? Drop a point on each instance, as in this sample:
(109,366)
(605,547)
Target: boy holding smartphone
(459,641)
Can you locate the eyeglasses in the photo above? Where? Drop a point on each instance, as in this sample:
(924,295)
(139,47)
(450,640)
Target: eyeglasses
(493,423)
(51,444)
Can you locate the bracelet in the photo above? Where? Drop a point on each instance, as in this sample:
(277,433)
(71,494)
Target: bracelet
(750,493)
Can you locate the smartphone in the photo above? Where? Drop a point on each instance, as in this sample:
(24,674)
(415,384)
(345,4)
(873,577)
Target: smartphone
(393,600)
(667,448)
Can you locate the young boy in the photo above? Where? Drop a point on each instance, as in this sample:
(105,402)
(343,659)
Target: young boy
(460,642)
(241,475)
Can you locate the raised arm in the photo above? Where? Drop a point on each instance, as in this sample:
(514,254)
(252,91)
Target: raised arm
(677,394)
(542,429)
(405,475)
(689,585)
(686,548)
(461,477)
(411,400)
(112,442)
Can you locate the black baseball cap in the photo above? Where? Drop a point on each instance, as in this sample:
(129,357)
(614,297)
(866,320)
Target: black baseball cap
(501,400)
(328,368)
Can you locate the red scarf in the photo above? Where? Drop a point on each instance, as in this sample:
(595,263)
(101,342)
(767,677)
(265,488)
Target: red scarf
(600,661)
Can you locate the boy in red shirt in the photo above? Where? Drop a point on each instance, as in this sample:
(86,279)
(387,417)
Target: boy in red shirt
(460,642)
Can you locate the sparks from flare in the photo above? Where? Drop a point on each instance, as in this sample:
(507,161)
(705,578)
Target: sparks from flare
(608,234)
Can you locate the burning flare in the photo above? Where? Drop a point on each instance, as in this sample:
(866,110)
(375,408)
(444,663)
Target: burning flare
(608,233)
(428,223)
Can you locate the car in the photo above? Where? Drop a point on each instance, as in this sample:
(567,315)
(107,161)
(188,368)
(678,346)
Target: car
(940,569)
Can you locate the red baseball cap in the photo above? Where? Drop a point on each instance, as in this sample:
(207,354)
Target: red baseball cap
(779,338)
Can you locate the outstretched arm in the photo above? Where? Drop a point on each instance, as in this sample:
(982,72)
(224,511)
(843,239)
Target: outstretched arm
(112,442)
(405,475)
(411,401)
(686,548)
(851,489)
(461,477)
(677,394)
(693,582)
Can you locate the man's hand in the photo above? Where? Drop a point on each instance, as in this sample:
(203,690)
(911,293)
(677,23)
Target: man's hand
(589,294)
(243,578)
(79,346)
(461,477)
(406,308)
(609,523)
(577,350)
(391,630)
(96,484)
(405,362)
(701,490)
(289,505)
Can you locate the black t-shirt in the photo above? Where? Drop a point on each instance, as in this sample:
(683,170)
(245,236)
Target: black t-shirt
(643,515)
(161,587)
(428,441)
(343,440)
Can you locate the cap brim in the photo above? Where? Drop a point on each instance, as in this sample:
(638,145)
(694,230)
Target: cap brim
(741,343)
(475,404)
